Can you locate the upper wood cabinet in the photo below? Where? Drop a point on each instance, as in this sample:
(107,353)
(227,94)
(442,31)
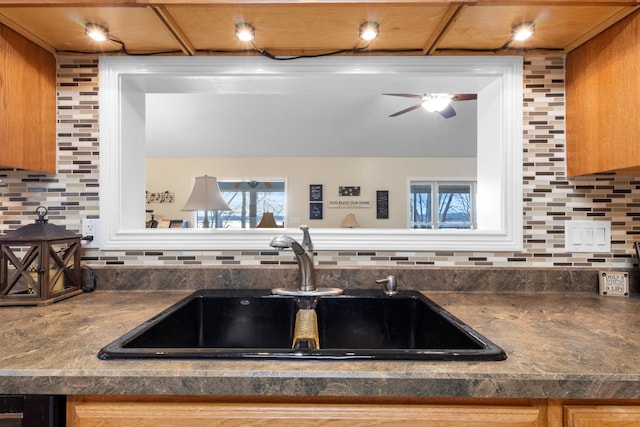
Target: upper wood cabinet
(27,104)
(603,102)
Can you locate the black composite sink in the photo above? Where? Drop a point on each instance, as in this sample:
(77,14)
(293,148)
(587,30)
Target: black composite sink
(256,324)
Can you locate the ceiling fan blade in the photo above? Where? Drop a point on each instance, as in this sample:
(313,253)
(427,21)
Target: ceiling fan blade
(405,95)
(464,96)
(406,110)
(447,112)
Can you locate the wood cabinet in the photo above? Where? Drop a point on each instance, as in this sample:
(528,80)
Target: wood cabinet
(593,413)
(184,411)
(601,415)
(602,108)
(27,104)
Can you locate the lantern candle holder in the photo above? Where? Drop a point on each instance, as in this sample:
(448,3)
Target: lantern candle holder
(39,264)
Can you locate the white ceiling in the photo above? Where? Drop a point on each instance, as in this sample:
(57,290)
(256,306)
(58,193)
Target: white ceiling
(298,125)
(256,108)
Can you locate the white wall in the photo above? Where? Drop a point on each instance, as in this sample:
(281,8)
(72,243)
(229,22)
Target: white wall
(176,175)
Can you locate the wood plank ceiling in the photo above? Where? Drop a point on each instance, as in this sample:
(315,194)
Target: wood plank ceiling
(304,27)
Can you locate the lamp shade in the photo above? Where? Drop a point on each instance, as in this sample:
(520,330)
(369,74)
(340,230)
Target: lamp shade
(267,221)
(206,196)
(350,221)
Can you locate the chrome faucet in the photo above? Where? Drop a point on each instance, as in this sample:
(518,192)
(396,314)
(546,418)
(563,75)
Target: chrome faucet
(304,255)
(307,244)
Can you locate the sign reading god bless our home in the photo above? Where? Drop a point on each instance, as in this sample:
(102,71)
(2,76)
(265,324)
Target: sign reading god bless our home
(346,194)
(350,204)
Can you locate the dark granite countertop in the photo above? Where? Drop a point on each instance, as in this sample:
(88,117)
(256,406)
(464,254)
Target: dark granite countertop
(559,345)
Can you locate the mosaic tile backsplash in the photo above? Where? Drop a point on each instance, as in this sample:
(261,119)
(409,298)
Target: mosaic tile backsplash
(549,197)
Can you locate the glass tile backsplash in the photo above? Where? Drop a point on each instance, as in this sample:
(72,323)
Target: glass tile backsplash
(549,197)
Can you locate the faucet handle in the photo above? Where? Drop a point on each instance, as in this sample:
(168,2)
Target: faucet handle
(390,285)
(307,244)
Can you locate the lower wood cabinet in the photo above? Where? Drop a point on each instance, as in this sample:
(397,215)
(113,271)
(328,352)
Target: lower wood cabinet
(602,415)
(165,411)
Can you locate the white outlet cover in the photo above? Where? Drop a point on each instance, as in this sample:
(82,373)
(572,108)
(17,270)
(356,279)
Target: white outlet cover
(587,236)
(90,227)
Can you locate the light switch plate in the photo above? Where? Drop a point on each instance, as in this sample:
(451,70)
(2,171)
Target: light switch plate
(587,236)
(614,283)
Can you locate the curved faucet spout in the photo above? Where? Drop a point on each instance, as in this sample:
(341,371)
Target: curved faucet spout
(283,241)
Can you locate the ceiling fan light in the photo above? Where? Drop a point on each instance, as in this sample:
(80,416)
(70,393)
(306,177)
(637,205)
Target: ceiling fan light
(369,30)
(245,32)
(96,32)
(523,31)
(436,102)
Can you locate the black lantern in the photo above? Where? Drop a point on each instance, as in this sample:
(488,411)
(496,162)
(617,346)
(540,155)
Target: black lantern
(39,264)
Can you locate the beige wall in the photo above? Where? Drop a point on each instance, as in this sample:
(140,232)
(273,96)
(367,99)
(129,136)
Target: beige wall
(176,175)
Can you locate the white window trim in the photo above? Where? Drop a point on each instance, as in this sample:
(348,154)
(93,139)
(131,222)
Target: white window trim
(435,182)
(122,211)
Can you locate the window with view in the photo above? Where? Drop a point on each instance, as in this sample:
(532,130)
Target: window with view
(249,200)
(438,205)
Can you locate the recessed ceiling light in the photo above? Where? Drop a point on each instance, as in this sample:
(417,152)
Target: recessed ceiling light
(369,30)
(245,32)
(96,31)
(523,31)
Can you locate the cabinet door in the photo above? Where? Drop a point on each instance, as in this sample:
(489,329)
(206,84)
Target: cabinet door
(602,416)
(602,88)
(185,414)
(27,104)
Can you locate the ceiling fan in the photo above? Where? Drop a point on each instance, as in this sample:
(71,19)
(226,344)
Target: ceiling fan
(434,102)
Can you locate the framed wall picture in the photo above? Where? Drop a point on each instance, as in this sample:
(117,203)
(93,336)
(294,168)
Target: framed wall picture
(315,210)
(349,191)
(382,204)
(315,192)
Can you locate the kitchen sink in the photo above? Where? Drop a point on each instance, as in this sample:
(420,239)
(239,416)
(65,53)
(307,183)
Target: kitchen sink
(359,324)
